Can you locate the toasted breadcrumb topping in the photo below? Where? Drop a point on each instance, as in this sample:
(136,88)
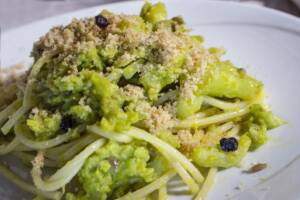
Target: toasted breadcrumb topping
(12,82)
(156,118)
(159,119)
(133,92)
(38,162)
(188,140)
(163,45)
(169,45)
(37,111)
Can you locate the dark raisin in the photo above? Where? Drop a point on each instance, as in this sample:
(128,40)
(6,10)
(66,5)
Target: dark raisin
(229,144)
(101,21)
(67,122)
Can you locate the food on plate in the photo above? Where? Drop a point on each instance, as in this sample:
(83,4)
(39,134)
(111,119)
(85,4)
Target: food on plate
(117,105)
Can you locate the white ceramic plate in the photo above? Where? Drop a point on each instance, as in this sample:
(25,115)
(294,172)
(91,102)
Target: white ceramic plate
(264,41)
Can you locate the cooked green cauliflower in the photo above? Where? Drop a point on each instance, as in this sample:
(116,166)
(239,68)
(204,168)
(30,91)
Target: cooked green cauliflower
(215,157)
(222,79)
(116,169)
(44,125)
(259,122)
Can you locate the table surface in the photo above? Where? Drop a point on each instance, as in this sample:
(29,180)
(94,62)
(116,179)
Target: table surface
(14,13)
(283,5)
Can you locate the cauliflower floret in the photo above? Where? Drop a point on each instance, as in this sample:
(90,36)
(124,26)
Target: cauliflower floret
(116,169)
(43,124)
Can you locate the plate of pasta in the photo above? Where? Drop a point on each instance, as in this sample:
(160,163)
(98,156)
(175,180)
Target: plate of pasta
(151,100)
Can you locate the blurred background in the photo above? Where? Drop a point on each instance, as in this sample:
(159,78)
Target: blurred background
(14,13)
